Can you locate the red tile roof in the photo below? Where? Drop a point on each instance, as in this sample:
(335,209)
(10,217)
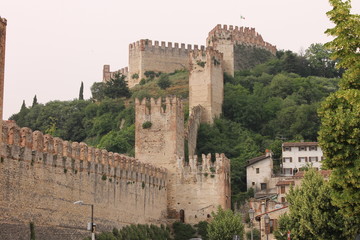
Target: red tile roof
(324,173)
(281,183)
(300,144)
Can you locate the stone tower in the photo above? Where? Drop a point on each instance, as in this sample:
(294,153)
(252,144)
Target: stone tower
(225,38)
(194,189)
(2,66)
(159,138)
(206,83)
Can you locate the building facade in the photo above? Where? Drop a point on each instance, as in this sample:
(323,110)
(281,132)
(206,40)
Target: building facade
(297,155)
(259,172)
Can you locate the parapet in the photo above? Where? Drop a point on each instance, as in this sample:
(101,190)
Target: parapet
(205,57)
(159,105)
(149,45)
(3,21)
(35,142)
(221,164)
(107,74)
(239,35)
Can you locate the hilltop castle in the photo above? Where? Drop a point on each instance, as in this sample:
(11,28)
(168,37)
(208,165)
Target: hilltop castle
(146,55)
(41,176)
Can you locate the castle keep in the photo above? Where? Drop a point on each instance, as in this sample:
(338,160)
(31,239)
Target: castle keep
(146,55)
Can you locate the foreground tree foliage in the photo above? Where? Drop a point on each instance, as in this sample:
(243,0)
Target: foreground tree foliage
(312,214)
(136,232)
(224,225)
(340,115)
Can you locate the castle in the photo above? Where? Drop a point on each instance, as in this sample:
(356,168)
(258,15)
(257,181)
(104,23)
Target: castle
(42,176)
(146,55)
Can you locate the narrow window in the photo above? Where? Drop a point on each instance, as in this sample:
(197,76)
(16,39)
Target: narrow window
(257,170)
(282,189)
(182,216)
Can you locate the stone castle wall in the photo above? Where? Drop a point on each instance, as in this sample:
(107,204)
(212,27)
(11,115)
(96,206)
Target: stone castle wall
(223,39)
(202,187)
(206,82)
(41,177)
(3,24)
(162,144)
(107,74)
(193,127)
(144,55)
(159,144)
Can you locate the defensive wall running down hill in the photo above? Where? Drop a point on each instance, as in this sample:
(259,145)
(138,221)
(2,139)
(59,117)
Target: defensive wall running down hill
(41,177)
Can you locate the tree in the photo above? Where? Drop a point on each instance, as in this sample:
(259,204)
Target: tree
(319,61)
(97,91)
(34,101)
(340,115)
(312,214)
(117,87)
(183,231)
(225,225)
(164,82)
(81,92)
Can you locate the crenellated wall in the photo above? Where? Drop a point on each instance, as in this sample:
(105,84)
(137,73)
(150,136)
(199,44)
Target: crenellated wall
(223,38)
(107,74)
(159,143)
(146,55)
(206,82)
(3,24)
(202,186)
(41,176)
(162,144)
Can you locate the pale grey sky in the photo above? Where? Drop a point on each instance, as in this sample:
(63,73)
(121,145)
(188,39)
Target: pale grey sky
(53,45)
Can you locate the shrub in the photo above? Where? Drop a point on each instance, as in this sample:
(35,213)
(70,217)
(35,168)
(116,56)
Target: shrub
(147,125)
(183,231)
(164,82)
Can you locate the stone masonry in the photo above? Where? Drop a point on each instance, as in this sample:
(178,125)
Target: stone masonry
(147,55)
(41,177)
(224,39)
(3,24)
(206,82)
(194,189)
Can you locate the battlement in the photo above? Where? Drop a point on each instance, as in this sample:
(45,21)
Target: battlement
(160,105)
(3,21)
(146,44)
(238,35)
(32,145)
(205,58)
(107,74)
(221,165)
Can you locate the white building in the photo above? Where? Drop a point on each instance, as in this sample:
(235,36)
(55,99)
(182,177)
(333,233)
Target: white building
(296,155)
(259,172)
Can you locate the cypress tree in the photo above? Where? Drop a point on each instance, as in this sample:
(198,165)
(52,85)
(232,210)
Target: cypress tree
(81,93)
(34,101)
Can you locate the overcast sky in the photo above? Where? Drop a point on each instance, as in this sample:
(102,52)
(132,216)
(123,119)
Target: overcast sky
(53,45)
